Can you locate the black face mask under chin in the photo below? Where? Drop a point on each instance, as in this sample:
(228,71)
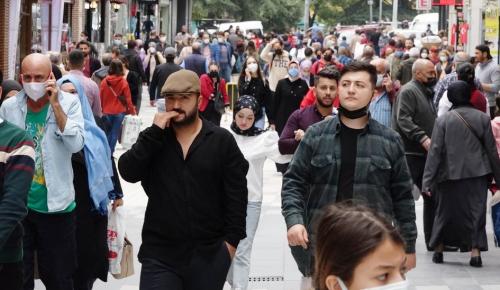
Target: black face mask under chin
(356,114)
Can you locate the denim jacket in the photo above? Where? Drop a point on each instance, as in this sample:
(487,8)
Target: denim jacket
(57,146)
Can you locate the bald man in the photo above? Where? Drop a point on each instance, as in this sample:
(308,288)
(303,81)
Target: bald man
(55,122)
(413,118)
(380,105)
(196,62)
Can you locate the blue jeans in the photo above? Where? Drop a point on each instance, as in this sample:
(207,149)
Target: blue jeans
(240,269)
(225,72)
(113,126)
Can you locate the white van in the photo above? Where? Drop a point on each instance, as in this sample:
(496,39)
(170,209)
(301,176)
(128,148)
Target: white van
(245,27)
(421,21)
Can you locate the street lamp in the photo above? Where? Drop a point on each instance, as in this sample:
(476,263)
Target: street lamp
(370,2)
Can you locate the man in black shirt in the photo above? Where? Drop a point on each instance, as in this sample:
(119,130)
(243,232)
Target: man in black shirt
(195,177)
(161,73)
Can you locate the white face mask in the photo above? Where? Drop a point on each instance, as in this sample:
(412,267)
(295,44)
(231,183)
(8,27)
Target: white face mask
(402,285)
(206,41)
(35,91)
(252,67)
(152,50)
(443,58)
(163,39)
(424,55)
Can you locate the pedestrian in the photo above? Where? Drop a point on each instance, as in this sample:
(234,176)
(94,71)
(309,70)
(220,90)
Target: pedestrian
(101,73)
(161,73)
(443,67)
(381,106)
(458,176)
(213,90)
(363,164)
(163,43)
(9,89)
(90,63)
(289,93)
(358,248)
(424,53)
(325,91)
(405,72)
(116,101)
(134,60)
(134,83)
(251,82)
(49,227)
(327,58)
(413,118)
(488,73)
(75,65)
(205,47)
(465,72)
(117,43)
(17,170)
(278,61)
(222,52)
(194,176)
(442,85)
(344,55)
(151,61)
(196,62)
(93,185)
(256,145)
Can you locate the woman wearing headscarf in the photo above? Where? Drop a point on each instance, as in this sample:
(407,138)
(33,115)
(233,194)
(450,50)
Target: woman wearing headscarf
(256,145)
(457,176)
(9,89)
(95,185)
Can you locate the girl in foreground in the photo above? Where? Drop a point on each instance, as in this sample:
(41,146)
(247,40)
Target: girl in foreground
(358,249)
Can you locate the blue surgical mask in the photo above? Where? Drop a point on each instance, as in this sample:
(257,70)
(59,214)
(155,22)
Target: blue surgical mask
(293,72)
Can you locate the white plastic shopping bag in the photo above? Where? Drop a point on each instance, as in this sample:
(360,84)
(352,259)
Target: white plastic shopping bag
(116,238)
(131,127)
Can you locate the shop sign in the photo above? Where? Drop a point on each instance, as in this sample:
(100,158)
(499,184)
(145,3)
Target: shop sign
(424,4)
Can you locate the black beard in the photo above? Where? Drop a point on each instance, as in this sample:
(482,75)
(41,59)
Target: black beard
(189,119)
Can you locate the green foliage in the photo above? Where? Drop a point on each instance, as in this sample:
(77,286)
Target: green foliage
(276,15)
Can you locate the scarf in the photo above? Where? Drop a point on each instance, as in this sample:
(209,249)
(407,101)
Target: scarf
(246,102)
(96,151)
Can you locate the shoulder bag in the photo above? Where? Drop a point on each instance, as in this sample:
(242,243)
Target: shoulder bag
(121,98)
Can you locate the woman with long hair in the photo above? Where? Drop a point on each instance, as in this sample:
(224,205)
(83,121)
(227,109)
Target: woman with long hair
(251,83)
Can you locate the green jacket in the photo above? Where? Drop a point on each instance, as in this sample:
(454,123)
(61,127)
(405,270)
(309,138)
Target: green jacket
(382,179)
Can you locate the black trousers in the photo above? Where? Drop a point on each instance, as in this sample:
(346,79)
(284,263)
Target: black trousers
(211,114)
(202,272)
(52,236)
(11,276)
(417,165)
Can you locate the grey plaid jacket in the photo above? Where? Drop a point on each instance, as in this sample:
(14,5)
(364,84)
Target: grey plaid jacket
(382,179)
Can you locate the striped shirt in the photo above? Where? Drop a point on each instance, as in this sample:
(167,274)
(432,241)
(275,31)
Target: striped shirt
(381,109)
(16,173)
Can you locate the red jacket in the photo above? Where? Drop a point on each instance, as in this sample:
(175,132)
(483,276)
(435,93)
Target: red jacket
(111,105)
(207,90)
(319,65)
(478,100)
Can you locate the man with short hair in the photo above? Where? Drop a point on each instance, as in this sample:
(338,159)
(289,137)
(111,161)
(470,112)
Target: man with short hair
(161,73)
(195,61)
(55,122)
(118,42)
(413,118)
(325,90)
(363,163)
(16,168)
(195,177)
(442,85)
(488,73)
(380,106)
(75,65)
(90,64)
(134,61)
(222,51)
(405,74)
(278,61)
(101,73)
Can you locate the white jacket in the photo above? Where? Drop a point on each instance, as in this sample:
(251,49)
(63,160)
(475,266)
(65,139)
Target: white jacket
(256,150)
